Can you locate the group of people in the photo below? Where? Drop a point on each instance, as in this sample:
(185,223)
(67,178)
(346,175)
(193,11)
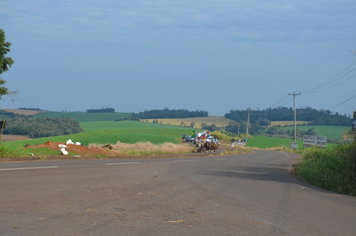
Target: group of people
(207,140)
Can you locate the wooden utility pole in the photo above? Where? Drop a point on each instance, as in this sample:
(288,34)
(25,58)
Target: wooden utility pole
(248,122)
(295,116)
(354,126)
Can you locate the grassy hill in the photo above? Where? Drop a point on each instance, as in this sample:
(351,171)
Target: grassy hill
(219,121)
(104,132)
(83,116)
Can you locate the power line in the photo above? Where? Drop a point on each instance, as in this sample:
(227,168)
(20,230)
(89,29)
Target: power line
(332,79)
(279,101)
(342,102)
(333,85)
(287,101)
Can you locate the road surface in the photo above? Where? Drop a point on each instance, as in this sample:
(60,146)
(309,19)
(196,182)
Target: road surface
(246,194)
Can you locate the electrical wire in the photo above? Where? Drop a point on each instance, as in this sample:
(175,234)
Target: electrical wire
(332,80)
(287,101)
(332,86)
(342,102)
(279,101)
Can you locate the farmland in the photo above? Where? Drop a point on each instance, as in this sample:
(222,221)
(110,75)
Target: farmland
(83,116)
(288,123)
(101,132)
(331,132)
(101,128)
(219,121)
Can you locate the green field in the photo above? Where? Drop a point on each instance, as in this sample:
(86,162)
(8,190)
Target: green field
(331,132)
(270,142)
(109,132)
(101,128)
(83,116)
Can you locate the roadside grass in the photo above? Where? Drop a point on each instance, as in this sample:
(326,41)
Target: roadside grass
(13,152)
(147,148)
(332,169)
(236,150)
(6,151)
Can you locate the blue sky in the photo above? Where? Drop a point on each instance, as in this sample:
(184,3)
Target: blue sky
(213,55)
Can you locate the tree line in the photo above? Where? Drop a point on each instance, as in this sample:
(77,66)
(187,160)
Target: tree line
(4,115)
(316,117)
(101,110)
(167,113)
(42,127)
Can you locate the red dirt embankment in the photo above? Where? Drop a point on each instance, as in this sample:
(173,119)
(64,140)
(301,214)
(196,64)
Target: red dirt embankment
(71,148)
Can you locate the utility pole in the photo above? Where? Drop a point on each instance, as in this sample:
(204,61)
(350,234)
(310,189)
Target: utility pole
(295,117)
(238,129)
(248,122)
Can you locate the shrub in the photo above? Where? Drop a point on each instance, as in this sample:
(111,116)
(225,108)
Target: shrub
(331,169)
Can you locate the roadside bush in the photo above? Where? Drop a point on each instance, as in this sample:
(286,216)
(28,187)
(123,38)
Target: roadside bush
(331,169)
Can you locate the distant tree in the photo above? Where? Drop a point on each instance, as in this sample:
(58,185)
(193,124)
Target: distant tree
(211,127)
(203,125)
(42,127)
(310,132)
(265,122)
(166,113)
(5,64)
(101,110)
(127,118)
(192,124)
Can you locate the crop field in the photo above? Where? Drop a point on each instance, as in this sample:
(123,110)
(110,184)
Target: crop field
(104,125)
(219,121)
(331,132)
(83,116)
(23,112)
(270,142)
(284,123)
(101,132)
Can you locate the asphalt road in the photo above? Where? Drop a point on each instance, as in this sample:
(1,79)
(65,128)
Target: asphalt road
(247,194)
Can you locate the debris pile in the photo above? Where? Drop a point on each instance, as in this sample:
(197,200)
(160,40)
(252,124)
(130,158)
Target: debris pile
(70,147)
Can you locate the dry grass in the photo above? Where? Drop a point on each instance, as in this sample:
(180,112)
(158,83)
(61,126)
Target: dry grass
(147,148)
(284,123)
(236,150)
(219,121)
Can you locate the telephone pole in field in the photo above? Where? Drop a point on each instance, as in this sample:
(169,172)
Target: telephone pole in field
(248,122)
(295,116)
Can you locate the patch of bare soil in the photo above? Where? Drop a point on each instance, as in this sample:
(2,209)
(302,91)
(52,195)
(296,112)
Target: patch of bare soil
(10,137)
(72,148)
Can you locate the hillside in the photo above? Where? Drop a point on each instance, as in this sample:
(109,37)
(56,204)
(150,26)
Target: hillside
(85,117)
(219,121)
(23,112)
